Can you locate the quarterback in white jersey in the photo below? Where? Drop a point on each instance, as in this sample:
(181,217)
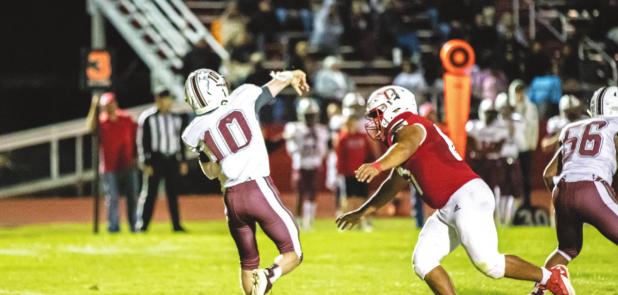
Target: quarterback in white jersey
(307,145)
(585,165)
(227,134)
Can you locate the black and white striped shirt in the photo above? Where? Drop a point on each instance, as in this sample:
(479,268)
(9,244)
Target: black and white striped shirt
(159,134)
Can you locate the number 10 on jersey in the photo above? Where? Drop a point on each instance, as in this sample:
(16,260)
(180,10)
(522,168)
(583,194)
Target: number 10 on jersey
(233,135)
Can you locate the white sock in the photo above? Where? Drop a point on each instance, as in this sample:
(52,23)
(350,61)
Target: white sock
(306,214)
(546,275)
(314,209)
(276,273)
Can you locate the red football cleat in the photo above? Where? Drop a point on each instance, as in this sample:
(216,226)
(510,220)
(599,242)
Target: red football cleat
(559,282)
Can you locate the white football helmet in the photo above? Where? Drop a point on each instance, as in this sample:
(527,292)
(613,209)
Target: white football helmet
(487,105)
(307,106)
(353,104)
(205,91)
(502,101)
(568,102)
(604,102)
(384,105)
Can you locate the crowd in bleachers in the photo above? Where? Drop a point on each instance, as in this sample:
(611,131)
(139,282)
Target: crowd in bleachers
(308,35)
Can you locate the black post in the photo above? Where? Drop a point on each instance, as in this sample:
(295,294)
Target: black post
(95,168)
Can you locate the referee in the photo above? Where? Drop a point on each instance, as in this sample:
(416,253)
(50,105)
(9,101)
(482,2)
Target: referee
(162,157)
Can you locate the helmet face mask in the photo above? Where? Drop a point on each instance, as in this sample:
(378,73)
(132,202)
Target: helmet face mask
(384,105)
(373,127)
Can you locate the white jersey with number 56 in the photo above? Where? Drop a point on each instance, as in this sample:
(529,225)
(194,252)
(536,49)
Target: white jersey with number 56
(588,148)
(231,135)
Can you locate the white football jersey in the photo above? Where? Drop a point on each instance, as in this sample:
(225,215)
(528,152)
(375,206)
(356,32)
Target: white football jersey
(588,148)
(510,148)
(232,136)
(485,135)
(306,145)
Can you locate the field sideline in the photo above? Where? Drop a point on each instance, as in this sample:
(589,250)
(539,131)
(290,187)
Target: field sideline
(67,259)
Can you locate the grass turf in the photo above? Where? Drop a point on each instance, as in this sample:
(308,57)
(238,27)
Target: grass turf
(68,259)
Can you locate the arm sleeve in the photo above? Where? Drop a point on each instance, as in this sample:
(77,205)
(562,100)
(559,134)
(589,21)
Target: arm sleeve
(265,98)
(144,148)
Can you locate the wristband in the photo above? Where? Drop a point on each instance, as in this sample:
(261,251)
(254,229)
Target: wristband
(377,165)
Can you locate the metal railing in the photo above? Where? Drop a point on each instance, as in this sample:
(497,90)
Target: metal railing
(52,135)
(588,43)
(161,32)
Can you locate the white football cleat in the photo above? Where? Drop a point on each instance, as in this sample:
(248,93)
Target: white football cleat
(261,283)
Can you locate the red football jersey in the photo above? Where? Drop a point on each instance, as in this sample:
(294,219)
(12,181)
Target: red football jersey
(352,151)
(436,168)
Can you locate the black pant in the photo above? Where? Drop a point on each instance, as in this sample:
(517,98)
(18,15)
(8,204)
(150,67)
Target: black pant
(168,170)
(525,160)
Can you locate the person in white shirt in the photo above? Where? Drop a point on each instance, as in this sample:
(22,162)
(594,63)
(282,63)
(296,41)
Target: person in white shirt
(411,78)
(330,82)
(530,116)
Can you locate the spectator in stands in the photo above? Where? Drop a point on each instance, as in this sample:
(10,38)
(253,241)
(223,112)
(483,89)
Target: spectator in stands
(545,91)
(530,117)
(411,78)
(239,66)
(231,24)
(201,56)
(330,82)
(483,33)
(263,24)
(117,149)
(162,157)
(299,58)
(360,31)
(511,48)
(494,82)
(507,28)
(568,63)
(537,62)
(399,33)
(291,11)
(327,29)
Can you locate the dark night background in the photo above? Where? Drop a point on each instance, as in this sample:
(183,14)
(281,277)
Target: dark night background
(40,60)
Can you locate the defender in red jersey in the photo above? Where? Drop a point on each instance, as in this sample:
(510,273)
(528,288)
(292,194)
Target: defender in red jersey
(420,153)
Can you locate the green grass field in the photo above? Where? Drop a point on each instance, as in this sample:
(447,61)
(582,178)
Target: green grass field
(68,259)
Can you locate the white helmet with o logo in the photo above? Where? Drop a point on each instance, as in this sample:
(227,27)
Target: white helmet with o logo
(205,91)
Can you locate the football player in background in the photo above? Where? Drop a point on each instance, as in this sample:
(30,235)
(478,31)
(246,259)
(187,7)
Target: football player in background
(485,139)
(571,110)
(584,166)
(420,153)
(307,145)
(354,149)
(511,186)
(227,134)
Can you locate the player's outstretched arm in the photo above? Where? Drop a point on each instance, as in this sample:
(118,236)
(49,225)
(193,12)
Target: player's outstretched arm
(297,79)
(409,138)
(552,169)
(387,191)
